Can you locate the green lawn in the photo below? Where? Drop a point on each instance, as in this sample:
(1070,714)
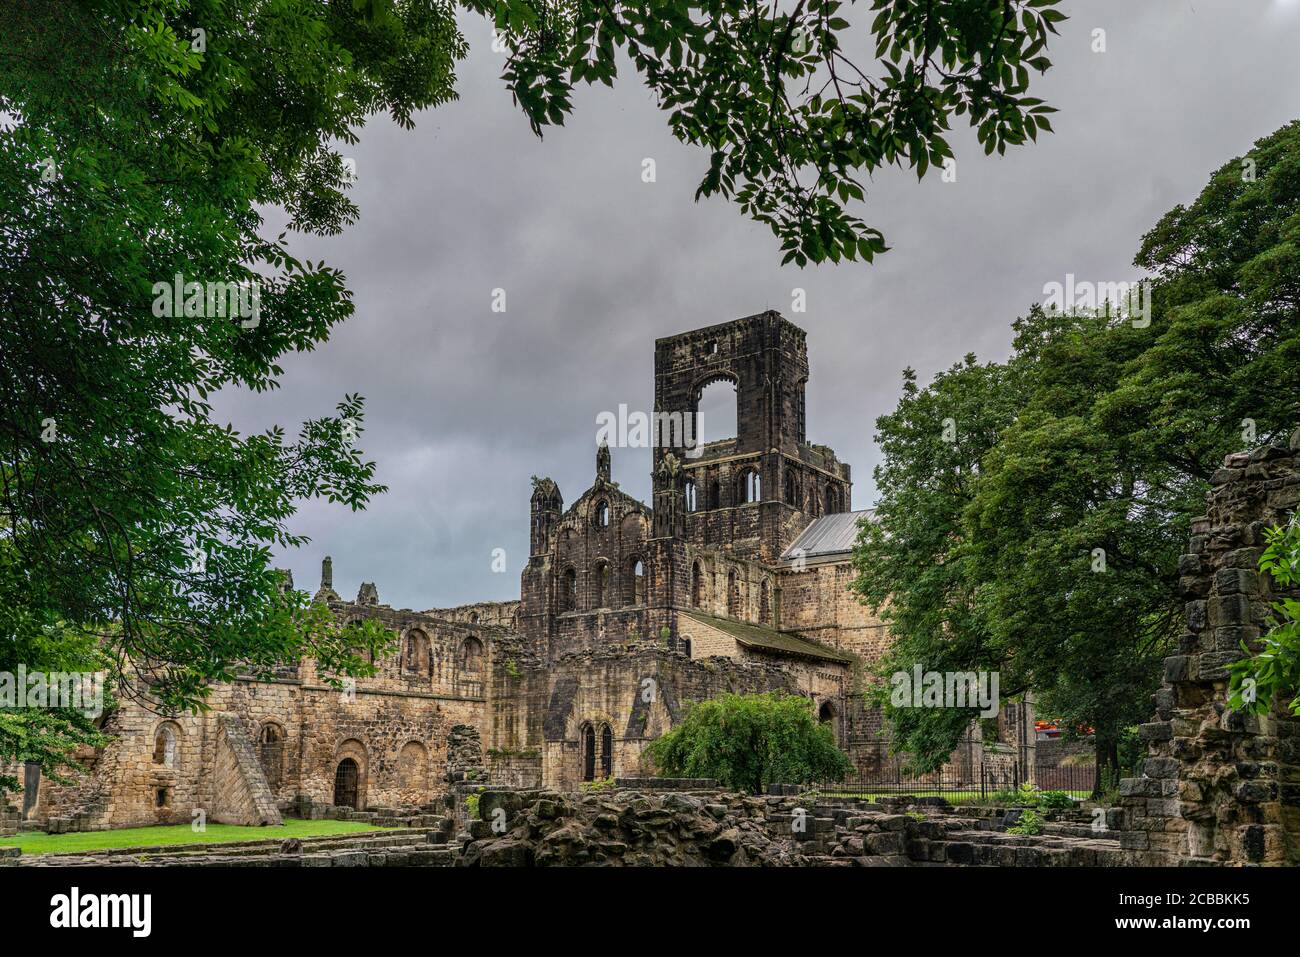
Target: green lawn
(38,842)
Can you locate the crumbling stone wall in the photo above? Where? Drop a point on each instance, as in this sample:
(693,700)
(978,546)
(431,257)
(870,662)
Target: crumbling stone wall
(1220,786)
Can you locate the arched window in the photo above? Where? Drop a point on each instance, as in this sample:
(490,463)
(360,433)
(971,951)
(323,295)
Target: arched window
(602,514)
(600,585)
(831,500)
(606,752)
(164,745)
(270,753)
(569,590)
(764,603)
(733,595)
(471,655)
(793,489)
(715,494)
(634,583)
(690,496)
(697,586)
(715,411)
(415,660)
(587,737)
(749,487)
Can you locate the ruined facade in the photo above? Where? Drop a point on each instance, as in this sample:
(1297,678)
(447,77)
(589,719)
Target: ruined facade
(734,578)
(1220,786)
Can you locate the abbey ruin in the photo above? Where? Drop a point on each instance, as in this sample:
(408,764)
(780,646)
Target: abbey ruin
(735,577)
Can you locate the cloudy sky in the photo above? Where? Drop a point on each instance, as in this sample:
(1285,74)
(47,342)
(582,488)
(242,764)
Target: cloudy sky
(465,404)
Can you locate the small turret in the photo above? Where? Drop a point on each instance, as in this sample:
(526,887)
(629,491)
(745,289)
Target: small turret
(602,461)
(326,592)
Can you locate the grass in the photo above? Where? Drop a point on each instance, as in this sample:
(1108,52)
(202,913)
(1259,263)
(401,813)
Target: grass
(38,842)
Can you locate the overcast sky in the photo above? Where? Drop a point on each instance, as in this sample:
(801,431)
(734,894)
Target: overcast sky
(464,404)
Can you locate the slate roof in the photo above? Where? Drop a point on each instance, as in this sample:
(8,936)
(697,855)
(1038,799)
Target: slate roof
(770,640)
(829,535)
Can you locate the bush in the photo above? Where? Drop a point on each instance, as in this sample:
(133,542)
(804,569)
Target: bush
(747,742)
(1055,800)
(1030,823)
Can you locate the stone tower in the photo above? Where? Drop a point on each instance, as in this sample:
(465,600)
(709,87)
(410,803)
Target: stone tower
(755,492)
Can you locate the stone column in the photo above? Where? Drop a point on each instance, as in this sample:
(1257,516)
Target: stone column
(1218,786)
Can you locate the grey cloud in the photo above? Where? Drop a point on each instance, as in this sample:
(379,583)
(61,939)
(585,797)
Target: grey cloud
(465,404)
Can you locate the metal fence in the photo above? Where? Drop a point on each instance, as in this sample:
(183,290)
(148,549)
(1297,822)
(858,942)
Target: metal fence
(961,783)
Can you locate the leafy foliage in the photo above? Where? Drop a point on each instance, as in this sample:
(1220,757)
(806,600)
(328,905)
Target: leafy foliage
(750,741)
(790,114)
(140,140)
(1274,672)
(1042,541)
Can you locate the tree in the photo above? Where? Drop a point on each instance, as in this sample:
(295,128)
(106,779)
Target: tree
(789,116)
(142,140)
(1050,551)
(139,141)
(910,561)
(747,742)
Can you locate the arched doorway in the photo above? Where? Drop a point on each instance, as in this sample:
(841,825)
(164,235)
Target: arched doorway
(345,783)
(826,715)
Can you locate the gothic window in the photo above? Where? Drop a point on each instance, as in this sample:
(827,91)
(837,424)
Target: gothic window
(764,603)
(830,500)
(602,514)
(270,753)
(793,488)
(599,585)
(606,751)
(587,737)
(697,586)
(733,595)
(634,583)
(715,494)
(748,487)
(569,590)
(164,745)
(690,496)
(471,656)
(415,660)
(800,417)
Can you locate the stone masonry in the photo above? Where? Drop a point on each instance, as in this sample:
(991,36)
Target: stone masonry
(1222,787)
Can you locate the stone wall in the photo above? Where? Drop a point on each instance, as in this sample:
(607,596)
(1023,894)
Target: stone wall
(1219,786)
(817,603)
(240,794)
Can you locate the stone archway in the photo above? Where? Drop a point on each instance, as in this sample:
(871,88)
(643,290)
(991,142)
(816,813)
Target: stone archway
(346,783)
(351,775)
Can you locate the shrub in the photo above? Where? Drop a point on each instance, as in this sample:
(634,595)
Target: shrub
(1030,823)
(747,742)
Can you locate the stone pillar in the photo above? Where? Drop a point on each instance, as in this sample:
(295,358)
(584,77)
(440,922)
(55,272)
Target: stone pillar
(1218,786)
